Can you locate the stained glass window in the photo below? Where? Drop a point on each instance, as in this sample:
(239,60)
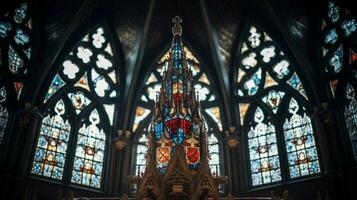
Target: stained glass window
(263,150)
(152,88)
(267,77)
(89,157)
(351,117)
(300,143)
(141,150)
(213,150)
(84,92)
(15,53)
(4,115)
(339,32)
(140,114)
(50,155)
(203,86)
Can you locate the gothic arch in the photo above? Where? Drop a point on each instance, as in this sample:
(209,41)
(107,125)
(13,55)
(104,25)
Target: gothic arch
(265,86)
(79,106)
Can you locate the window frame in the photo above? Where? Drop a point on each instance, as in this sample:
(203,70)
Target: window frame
(276,120)
(75,119)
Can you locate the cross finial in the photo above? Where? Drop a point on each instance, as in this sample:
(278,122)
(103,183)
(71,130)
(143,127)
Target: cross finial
(177,29)
(177,20)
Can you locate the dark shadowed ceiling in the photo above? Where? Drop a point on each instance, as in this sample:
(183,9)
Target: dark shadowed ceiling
(211,28)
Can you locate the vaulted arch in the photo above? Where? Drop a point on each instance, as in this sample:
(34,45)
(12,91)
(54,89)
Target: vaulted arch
(273,107)
(80,107)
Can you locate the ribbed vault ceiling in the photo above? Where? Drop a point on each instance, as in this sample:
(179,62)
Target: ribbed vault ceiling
(211,28)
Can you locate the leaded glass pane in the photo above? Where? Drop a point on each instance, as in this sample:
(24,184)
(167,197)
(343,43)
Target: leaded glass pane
(263,151)
(15,61)
(56,84)
(4,115)
(339,30)
(351,117)
(141,150)
(14,30)
(272,63)
(79,101)
(15,51)
(243,108)
(87,93)
(90,151)
(51,148)
(140,114)
(273,99)
(213,151)
(202,92)
(251,85)
(300,143)
(249,61)
(215,114)
(267,77)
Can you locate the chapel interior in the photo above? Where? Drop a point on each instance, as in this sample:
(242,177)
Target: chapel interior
(178,99)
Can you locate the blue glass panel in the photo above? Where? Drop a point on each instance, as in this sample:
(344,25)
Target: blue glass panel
(159,130)
(56,84)
(20,13)
(331,37)
(336,60)
(252,84)
(349,26)
(21,37)
(4,28)
(333,12)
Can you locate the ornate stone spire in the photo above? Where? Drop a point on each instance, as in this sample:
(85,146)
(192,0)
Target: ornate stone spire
(178,147)
(177,120)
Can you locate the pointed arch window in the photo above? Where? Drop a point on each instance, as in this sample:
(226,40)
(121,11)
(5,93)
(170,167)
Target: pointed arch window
(339,36)
(214,154)
(79,113)
(351,117)
(210,105)
(273,106)
(15,54)
(4,114)
(300,142)
(140,159)
(263,150)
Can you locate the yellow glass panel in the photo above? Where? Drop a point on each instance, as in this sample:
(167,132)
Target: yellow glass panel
(113,77)
(241,74)
(204,79)
(189,55)
(244,47)
(83,82)
(215,113)
(152,79)
(243,108)
(140,114)
(269,81)
(174,88)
